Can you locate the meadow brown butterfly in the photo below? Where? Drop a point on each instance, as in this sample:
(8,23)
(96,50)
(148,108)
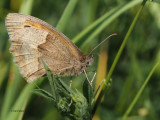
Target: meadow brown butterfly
(33,39)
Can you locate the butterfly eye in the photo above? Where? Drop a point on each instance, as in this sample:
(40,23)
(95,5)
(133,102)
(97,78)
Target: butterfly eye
(87,63)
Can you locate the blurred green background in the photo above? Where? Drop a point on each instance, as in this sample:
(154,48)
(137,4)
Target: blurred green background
(140,54)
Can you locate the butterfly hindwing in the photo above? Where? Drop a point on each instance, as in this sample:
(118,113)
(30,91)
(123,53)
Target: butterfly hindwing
(33,39)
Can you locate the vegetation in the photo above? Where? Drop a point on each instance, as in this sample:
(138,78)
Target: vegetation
(127,65)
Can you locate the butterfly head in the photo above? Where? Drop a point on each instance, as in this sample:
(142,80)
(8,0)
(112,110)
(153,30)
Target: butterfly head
(89,60)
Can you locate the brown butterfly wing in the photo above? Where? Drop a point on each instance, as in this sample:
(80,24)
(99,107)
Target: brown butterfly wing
(33,39)
(26,53)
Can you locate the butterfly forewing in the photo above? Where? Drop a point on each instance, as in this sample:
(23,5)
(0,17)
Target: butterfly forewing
(33,39)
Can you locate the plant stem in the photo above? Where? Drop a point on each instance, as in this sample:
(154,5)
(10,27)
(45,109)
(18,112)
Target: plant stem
(118,55)
(139,92)
(26,7)
(101,23)
(92,10)
(66,15)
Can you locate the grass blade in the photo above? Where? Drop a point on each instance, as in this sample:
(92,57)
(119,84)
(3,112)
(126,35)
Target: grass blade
(118,55)
(11,91)
(26,7)
(66,15)
(44,94)
(21,101)
(139,92)
(49,75)
(102,22)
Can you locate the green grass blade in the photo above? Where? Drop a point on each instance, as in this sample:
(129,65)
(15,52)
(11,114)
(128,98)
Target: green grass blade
(49,75)
(26,7)
(103,21)
(119,53)
(44,94)
(11,91)
(92,10)
(139,92)
(3,71)
(20,102)
(98,88)
(66,15)
(124,43)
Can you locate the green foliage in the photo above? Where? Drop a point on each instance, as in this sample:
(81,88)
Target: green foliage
(87,23)
(71,104)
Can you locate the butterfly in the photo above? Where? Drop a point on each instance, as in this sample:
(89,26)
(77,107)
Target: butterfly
(33,39)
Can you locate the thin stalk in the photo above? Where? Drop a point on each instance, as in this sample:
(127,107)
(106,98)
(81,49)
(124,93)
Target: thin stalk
(92,26)
(66,15)
(139,92)
(118,55)
(26,7)
(105,23)
(92,10)
(49,75)
(102,22)
(101,70)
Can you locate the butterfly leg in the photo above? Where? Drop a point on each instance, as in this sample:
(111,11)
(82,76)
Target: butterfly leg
(70,83)
(88,79)
(93,77)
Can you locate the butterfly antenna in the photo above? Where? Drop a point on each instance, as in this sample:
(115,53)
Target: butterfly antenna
(101,43)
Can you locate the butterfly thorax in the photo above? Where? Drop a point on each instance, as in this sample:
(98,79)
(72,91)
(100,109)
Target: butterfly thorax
(83,64)
(78,66)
